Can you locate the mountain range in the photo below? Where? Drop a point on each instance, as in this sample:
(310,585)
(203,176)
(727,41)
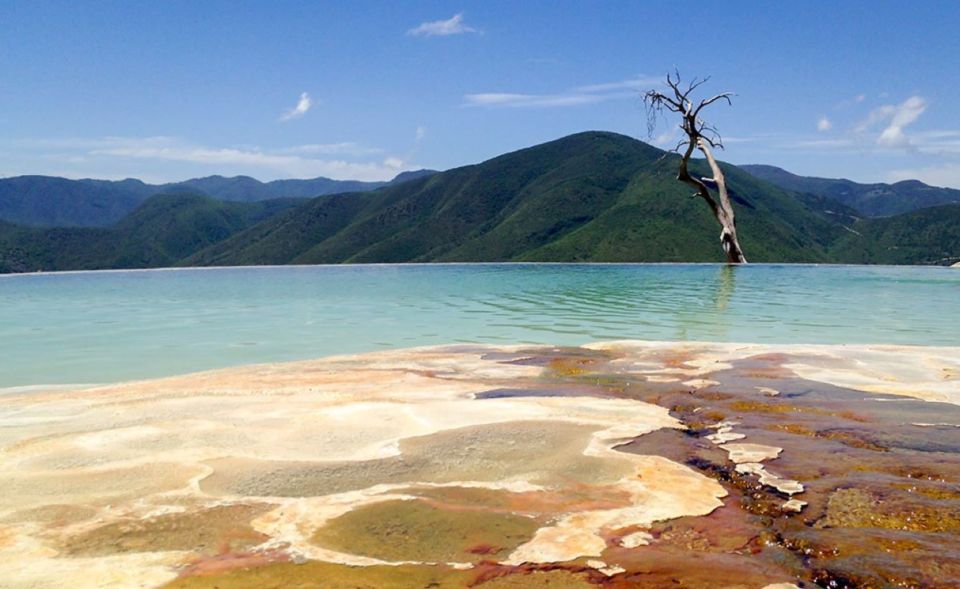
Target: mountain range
(161,231)
(588,197)
(870,200)
(47,201)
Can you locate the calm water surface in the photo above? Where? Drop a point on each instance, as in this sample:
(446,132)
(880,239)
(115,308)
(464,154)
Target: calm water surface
(97,327)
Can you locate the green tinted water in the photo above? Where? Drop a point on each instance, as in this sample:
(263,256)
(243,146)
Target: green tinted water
(108,326)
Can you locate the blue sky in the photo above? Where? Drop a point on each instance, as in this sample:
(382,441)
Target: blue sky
(171,90)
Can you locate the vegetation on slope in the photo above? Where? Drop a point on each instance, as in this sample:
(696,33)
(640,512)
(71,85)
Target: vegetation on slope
(45,201)
(925,236)
(590,197)
(159,232)
(870,200)
(587,197)
(58,202)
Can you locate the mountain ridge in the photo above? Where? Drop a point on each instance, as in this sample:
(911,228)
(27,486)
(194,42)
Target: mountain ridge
(160,231)
(871,200)
(50,201)
(589,197)
(603,193)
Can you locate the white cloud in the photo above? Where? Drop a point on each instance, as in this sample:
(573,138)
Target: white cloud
(667,138)
(420,134)
(849,102)
(834,143)
(289,165)
(348,148)
(947,174)
(150,158)
(590,94)
(442,28)
(824,124)
(881,113)
(897,118)
(504,99)
(905,114)
(303,105)
(940,142)
(637,83)
(394,163)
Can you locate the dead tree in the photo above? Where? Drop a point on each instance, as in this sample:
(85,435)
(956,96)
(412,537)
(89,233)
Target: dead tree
(704,137)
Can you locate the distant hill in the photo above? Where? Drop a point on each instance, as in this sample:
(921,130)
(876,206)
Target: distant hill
(52,202)
(587,197)
(46,201)
(925,236)
(161,231)
(870,200)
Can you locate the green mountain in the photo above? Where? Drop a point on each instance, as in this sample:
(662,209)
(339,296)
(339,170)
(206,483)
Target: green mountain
(926,236)
(161,231)
(52,202)
(871,200)
(587,197)
(45,201)
(597,197)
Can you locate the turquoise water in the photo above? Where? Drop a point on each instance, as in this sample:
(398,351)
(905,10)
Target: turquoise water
(95,327)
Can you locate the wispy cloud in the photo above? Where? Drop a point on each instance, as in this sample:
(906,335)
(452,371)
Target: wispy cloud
(667,138)
(940,143)
(895,117)
(818,144)
(882,130)
(442,28)
(506,99)
(848,102)
(420,134)
(638,83)
(348,148)
(937,143)
(303,105)
(580,95)
(875,116)
(170,158)
(284,164)
(393,163)
(903,115)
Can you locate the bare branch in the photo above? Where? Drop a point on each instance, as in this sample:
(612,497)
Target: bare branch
(703,137)
(695,84)
(703,103)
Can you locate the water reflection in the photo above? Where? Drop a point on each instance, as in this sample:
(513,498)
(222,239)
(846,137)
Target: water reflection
(726,283)
(704,316)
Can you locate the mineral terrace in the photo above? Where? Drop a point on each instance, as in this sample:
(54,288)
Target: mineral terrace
(626,464)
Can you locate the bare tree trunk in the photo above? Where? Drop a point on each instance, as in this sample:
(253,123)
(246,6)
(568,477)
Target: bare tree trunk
(724,215)
(722,211)
(700,136)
